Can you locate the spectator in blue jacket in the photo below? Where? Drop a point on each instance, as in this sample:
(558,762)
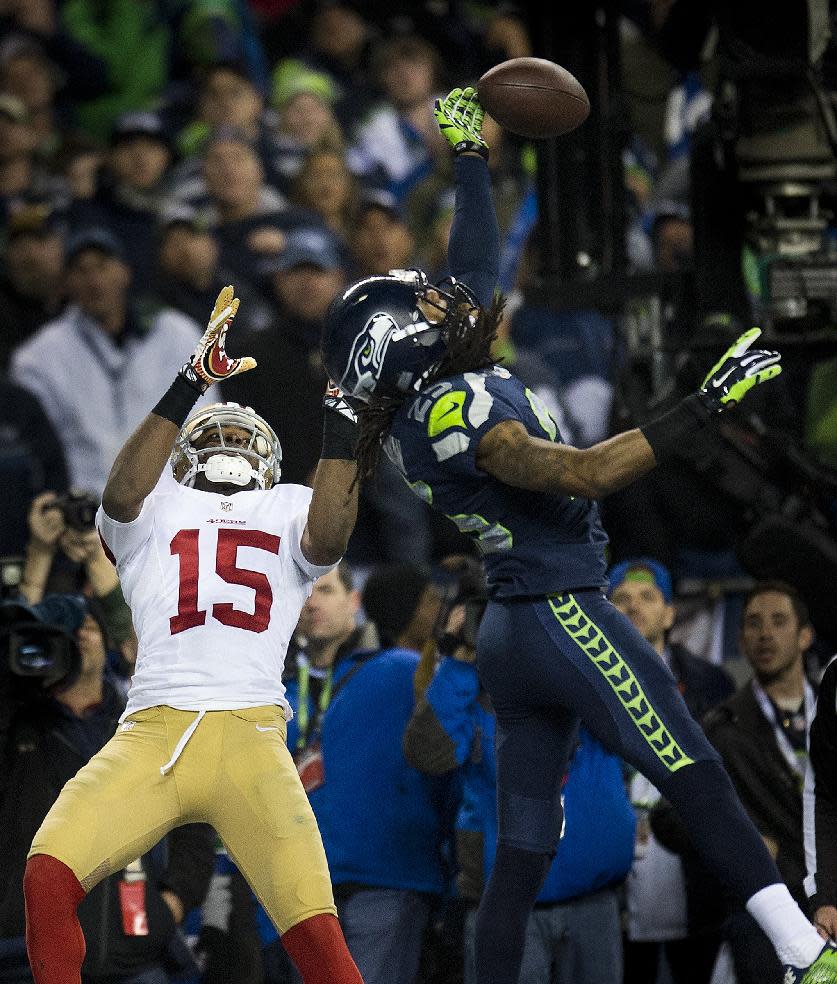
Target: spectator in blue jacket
(573,933)
(381,820)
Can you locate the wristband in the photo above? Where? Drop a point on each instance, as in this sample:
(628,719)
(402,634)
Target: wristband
(465,146)
(177,402)
(673,432)
(339,436)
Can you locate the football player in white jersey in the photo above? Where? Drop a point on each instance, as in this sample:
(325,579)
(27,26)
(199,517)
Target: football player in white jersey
(216,561)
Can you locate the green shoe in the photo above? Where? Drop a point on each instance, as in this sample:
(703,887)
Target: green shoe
(822,971)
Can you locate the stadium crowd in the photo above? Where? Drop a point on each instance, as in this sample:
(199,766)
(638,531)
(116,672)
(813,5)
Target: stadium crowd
(152,153)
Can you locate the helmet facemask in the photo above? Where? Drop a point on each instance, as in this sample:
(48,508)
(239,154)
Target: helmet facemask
(203,448)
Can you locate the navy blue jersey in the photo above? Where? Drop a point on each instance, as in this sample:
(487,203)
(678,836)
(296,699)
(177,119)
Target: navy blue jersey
(533,543)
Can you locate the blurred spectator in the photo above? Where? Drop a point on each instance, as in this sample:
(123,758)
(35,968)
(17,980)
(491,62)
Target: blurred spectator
(133,43)
(327,634)
(325,185)
(147,47)
(130,190)
(32,459)
(32,279)
(305,122)
(663,907)
(21,176)
(761,733)
(533,371)
(228,942)
(819,807)
(338,41)
(28,73)
(80,74)
(505,35)
(667,218)
(63,526)
(573,934)
(327,631)
(189,275)
(228,97)
(577,348)
(381,240)
(94,367)
(303,278)
(50,725)
(249,216)
(394,147)
(380,819)
(78,161)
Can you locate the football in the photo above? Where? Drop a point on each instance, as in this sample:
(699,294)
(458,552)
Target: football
(533,97)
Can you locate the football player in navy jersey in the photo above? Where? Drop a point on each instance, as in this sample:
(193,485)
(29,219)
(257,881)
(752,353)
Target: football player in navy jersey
(475,443)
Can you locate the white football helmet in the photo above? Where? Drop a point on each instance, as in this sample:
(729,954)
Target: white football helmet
(260,459)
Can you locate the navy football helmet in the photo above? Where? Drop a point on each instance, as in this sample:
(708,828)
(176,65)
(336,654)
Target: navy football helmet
(377,339)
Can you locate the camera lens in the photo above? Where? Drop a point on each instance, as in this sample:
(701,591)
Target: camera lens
(33,658)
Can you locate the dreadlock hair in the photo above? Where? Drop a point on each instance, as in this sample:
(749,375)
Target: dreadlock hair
(468,350)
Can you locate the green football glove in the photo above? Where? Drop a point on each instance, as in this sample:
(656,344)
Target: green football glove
(460,117)
(737,371)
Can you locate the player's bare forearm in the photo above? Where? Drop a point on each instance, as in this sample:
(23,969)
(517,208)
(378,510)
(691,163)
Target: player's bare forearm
(138,468)
(512,455)
(333,511)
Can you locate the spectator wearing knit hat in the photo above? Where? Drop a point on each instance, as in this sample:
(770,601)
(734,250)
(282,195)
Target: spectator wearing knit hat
(669,907)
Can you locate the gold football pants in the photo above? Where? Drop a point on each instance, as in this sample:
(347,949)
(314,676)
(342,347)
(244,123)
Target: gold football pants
(234,772)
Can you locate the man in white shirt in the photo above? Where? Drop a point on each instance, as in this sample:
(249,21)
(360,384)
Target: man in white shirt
(216,561)
(84,366)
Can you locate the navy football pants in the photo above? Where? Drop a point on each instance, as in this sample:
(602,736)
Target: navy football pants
(548,662)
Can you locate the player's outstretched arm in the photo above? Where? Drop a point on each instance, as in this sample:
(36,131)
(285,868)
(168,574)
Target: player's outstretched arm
(511,454)
(141,461)
(333,509)
(474,242)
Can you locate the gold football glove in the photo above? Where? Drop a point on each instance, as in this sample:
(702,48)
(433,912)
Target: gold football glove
(209,362)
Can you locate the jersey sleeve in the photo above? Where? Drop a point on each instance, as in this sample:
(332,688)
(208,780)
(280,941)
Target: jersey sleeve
(311,571)
(122,540)
(459,418)
(294,501)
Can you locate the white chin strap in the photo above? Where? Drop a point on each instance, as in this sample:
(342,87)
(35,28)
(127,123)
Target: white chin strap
(228,469)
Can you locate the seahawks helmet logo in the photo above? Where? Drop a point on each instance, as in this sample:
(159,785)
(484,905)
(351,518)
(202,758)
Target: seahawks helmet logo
(367,356)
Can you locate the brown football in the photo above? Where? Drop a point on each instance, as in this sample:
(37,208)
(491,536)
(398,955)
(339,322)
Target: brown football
(533,97)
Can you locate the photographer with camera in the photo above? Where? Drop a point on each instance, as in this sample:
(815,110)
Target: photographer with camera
(59,704)
(66,523)
(573,934)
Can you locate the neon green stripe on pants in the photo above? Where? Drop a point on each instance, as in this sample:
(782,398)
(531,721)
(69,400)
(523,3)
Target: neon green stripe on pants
(590,638)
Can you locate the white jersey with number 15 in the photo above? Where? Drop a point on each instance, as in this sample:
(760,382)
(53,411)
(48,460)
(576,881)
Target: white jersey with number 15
(215,585)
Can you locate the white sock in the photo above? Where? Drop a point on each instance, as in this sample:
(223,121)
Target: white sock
(793,936)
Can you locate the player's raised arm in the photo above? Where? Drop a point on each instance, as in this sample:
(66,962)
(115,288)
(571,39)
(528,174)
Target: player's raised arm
(140,463)
(474,243)
(511,454)
(333,509)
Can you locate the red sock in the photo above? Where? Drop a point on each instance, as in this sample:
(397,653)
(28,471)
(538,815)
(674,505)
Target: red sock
(317,947)
(54,939)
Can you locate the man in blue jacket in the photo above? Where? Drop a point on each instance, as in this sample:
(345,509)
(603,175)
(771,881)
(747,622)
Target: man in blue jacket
(381,820)
(573,934)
